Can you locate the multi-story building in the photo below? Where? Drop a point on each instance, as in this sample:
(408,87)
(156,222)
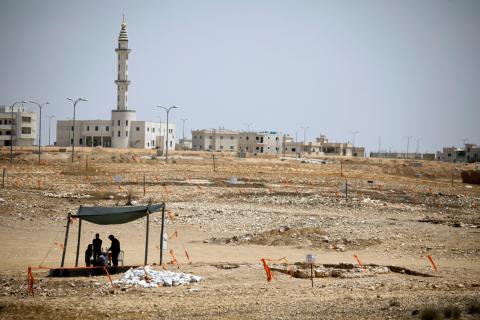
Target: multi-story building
(22,131)
(215,140)
(264,142)
(123,130)
(322,147)
(470,153)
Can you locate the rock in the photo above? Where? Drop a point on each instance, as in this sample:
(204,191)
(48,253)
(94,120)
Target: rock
(460,285)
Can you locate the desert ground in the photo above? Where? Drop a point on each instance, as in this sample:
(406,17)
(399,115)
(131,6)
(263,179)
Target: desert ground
(396,214)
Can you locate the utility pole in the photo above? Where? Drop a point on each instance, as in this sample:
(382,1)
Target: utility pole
(418,146)
(11,129)
(167,110)
(73,136)
(408,144)
(304,137)
(39,105)
(49,125)
(183,129)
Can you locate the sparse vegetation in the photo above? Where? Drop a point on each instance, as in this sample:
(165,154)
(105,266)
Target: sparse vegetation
(431,313)
(452,312)
(473,307)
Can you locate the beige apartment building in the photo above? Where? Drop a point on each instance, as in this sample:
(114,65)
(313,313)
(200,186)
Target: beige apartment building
(264,142)
(215,140)
(24,127)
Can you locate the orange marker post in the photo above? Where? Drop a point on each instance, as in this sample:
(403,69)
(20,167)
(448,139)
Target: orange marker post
(361,265)
(434,265)
(267,270)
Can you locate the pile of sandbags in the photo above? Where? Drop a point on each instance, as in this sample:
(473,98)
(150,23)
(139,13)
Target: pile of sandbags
(148,278)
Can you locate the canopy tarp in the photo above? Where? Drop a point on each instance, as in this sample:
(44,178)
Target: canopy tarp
(116,215)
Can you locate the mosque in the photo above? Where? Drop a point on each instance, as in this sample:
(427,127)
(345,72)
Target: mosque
(123,130)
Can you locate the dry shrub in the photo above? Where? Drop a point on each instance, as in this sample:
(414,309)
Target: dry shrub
(431,313)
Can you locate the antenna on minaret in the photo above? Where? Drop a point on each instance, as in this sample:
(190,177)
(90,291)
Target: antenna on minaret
(123,18)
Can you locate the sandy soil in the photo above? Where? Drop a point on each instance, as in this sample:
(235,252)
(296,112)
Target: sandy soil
(393,217)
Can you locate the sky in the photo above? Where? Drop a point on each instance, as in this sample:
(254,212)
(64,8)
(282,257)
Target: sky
(382,68)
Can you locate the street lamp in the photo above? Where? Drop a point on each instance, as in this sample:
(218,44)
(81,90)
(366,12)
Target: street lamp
(49,125)
(408,144)
(11,130)
(304,137)
(168,111)
(74,107)
(39,105)
(183,129)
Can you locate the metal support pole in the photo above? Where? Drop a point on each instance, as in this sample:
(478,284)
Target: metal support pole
(78,240)
(311,273)
(40,135)
(146,238)
(346,190)
(144,185)
(341,168)
(161,234)
(66,240)
(4,171)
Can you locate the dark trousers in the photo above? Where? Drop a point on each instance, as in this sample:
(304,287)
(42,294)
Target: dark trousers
(115,259)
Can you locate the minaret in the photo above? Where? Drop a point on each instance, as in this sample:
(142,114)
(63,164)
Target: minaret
(122,118)
(122,79)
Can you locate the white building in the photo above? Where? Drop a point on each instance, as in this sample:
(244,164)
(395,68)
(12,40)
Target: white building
(24,127)
(123,130)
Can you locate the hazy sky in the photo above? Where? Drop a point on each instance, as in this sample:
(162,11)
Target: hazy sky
(380,67)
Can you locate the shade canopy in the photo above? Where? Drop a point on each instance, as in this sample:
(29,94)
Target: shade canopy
(116,215)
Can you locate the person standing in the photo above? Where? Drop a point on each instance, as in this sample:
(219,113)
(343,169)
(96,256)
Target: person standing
(115,249)
(97,246)
(88,255)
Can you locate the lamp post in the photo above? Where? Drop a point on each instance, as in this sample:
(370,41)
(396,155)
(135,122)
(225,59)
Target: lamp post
(408,144)
(304,138)
(74,107)
(49,125)
(11,130)
(168,112)
(183,129)
(39,105)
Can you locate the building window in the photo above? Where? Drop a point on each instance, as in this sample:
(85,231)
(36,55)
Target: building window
(126,133)
(118,122)
(194,137)
(126,122)
(148,129)
(88,128)
(26,119)
(148,144)
(153,130)
(258,148)
(26,130)
(118,134)
(153,143)
(293,149)
(256,138)
(231,147)
(231,138)
(96,128)
(276,138)
(170,130)
(107,128)
(221,147)
(71,141)
(71,128)
(80,141)
(138,128)
(246,148)
(246,138)
(221,137)
(210,137)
